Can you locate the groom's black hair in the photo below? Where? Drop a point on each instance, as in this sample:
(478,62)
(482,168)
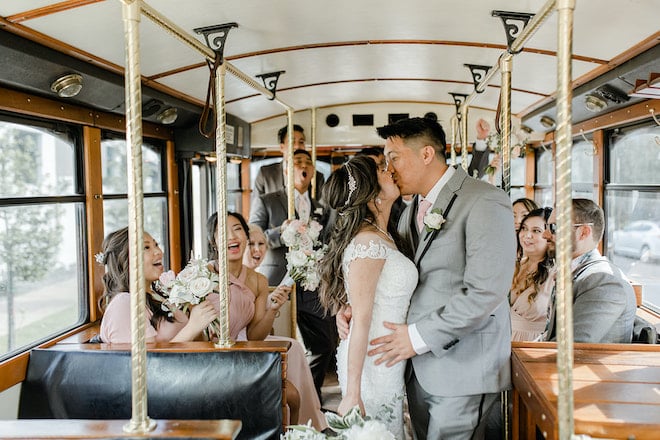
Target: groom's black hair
(416,128)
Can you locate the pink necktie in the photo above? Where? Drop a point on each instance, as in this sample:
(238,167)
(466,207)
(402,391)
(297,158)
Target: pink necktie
(303,207)
(423,207)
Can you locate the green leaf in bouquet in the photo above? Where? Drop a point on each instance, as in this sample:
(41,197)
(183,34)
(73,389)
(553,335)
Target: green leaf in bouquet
(338,423)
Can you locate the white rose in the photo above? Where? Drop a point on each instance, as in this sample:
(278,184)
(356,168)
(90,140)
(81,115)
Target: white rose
(314,229)
(187,274)
(167,279)
(179,295)
(434,219)
(200,287)
(288,236)
(371,430)
(297,258)
(312,280)
(306,242)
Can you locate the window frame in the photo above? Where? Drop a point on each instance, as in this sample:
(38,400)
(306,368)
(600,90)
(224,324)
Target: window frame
(78,199)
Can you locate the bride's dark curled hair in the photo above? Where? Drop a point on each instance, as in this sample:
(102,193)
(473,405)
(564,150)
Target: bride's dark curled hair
(350,219)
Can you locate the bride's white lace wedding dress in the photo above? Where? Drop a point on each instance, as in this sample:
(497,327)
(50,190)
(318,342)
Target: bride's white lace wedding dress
(382,387)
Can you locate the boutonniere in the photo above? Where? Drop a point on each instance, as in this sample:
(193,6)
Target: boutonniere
(433,220)
(318,211)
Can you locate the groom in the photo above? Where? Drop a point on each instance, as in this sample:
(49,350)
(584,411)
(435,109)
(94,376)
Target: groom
(458,335)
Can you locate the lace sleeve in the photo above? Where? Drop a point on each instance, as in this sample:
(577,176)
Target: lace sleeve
(373,250)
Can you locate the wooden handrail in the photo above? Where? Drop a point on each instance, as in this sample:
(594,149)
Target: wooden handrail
(89,429)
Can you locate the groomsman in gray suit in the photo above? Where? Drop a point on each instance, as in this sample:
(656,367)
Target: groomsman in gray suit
(458,334)
(271,177)
(604,304)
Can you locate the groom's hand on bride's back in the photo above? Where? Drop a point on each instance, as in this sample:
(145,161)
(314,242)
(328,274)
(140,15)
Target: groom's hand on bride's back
(393,348)
(343,319)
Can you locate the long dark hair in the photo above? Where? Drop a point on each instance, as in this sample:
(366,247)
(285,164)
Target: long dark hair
(212,226)
(350,201)
(542,272)
(116,278)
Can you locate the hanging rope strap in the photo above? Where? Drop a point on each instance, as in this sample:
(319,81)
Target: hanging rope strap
(210,98)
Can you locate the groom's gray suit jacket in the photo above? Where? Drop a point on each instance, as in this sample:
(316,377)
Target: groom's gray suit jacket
(460,305)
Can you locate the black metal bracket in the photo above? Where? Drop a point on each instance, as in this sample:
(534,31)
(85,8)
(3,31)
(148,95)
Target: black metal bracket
(459,98)
(514,23)
(270,81)
(478,72)
(215,37)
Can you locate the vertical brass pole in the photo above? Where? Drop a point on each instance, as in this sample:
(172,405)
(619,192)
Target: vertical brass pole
(139,422)
(505,120)
(289,168)
(564,218)
(506,61)
(224,338)
(313,134)
(454,129)
(464,136)
(291,200)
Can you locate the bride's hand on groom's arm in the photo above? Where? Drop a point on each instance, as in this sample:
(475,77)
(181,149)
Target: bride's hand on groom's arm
(343,318)
(395,347)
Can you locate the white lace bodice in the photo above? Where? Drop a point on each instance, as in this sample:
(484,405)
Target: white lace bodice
(395,285)
(381,386)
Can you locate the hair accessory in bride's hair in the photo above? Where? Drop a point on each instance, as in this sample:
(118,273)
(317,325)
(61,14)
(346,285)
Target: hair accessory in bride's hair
(100,258)
(352,185)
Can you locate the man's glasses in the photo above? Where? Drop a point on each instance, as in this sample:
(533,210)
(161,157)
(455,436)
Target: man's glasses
(552,227)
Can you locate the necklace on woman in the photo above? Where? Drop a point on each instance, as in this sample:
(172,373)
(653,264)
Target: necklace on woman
(385,233)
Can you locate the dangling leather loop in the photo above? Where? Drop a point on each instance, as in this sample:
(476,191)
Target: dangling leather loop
(211,94)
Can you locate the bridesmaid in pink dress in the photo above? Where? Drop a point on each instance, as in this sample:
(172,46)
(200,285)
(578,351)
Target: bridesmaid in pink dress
(252,311)
(116,301)
(533,279)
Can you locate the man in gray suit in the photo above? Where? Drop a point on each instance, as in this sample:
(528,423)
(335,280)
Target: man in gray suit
(271,177)
(458,334)
(604,304)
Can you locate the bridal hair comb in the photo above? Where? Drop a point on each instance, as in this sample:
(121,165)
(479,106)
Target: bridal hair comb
(352,185)
(100,258)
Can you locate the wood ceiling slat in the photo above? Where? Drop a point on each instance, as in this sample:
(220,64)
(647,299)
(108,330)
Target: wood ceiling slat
(371,42)
(420,42)
(48,10)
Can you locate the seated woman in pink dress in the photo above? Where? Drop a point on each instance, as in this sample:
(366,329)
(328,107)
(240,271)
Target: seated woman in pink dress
(533,279)
(252,311)
(116,301)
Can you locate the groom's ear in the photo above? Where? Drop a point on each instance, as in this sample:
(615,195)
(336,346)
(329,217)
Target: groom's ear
(428,154)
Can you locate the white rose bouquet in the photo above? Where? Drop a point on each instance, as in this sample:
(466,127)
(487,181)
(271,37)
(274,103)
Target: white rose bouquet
(352,426)
(305,251)
(190,287)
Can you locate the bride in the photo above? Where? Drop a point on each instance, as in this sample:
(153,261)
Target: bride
(364,268)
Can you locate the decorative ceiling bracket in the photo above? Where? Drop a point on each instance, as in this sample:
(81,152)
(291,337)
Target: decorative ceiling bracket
(478,72)
(514,23)
(459,98)
(215,37)
(270,81)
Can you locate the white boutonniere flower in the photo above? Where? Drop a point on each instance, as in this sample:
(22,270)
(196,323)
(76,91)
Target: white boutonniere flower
(433,220)
(318,211)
